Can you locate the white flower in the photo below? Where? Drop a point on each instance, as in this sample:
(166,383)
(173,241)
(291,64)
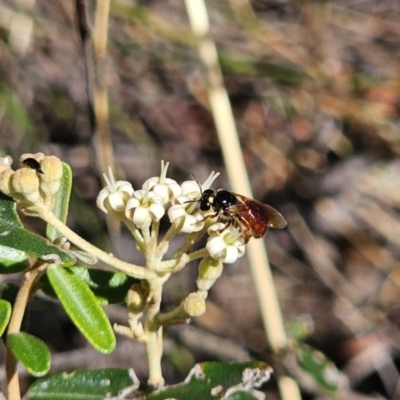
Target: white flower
(115,195)
(165,187)
(225,243)
(193,220)
(144,207)
(187,207)
(191,189)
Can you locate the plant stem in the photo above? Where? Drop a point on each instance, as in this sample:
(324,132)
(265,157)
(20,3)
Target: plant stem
(154,353)
(135,233)
(14,326)
(130,269)
(171,232)
(153,332)
(198,254)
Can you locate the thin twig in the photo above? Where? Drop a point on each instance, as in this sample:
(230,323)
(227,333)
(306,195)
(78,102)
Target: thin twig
(15,326)
(228,137)
(85,35)
(100,36)
(129,269)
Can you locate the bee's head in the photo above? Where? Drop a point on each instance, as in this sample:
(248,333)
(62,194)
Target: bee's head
(207,200)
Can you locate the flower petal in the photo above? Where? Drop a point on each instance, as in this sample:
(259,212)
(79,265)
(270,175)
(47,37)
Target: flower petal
(116,201)
(215,246)
(101,198)
(175,212)
(125,186)
(190,188)
(157,211)
(231,255)
(141,217)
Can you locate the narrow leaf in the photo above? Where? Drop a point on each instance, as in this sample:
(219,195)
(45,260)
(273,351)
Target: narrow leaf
(5,313)
(81,305)
(60,209)
(14,235)
(93,385)
(32,353)
(257,68)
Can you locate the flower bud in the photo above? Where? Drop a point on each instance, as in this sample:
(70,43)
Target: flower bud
(25,187)
(210,270)
(137,296)
(50,180)
(39,157)
(5,181)
(194,304)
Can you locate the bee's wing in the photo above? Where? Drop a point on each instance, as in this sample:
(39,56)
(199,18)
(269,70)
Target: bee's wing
(260,212)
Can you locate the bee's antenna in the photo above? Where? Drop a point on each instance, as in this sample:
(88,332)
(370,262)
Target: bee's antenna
(201,189)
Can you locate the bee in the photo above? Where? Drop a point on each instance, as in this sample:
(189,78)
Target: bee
(251,217)
(33,163)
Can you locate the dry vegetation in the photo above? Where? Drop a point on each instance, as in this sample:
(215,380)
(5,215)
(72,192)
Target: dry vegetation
(315,90)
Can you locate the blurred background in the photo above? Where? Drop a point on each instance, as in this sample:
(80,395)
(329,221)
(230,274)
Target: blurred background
(315,91)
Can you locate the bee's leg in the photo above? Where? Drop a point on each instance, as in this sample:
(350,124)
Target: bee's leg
(243,226)
(206,217)
(227,225)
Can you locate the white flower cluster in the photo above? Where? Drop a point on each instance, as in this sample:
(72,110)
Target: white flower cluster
(159,195)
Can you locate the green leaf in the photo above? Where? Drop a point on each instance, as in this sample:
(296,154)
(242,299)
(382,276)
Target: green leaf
(88,385)
(108,287)
(80,304)
(32,352)
(211,380)
(300,328)
(12,260)
(241,395)
(14,235)
(60,209)
(318,366)
(15,110)
(257,68)
(9,292)
(5,313)
(207,381)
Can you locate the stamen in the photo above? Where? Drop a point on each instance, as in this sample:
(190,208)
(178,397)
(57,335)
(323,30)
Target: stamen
(164,169)
(208,182)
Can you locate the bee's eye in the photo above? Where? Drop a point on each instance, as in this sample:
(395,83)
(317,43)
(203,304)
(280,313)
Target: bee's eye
(205,204)
(207,200)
